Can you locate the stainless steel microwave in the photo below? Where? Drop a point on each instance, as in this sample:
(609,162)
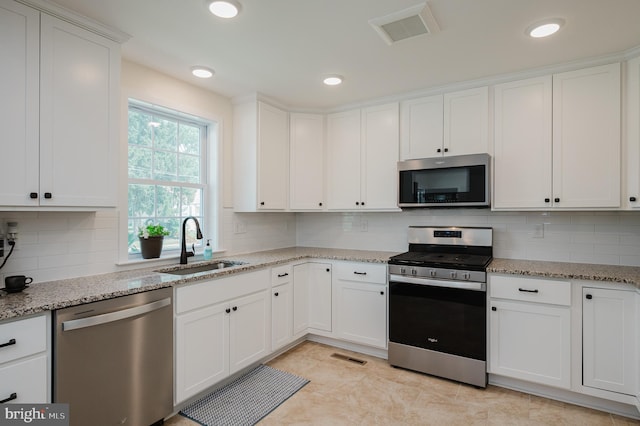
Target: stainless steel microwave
(455,181)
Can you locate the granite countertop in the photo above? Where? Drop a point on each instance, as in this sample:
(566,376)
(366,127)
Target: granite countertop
(573,271)
(47,296)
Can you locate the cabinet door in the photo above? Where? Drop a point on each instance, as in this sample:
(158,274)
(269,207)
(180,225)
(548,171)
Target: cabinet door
(202,350)
(307,162)
(249,330)
(79,81)
(273,157)
(633,133)
(301,299)
(380,134)
(320,296)
(343,158)
(19,85)
(530,342)
(281,315)
(609,332)
(361,313)
(586,137)
(522,144)
(466,122)
(27,379)
(421,127)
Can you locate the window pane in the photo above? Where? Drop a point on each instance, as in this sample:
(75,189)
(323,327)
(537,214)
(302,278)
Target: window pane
(165,165)
(141,201)
(140,162)
(191,202)
(189,169)
(189,139)
(168,201)
(140,130)
(166,135)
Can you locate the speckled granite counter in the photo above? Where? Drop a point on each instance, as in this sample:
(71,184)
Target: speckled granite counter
(47,296)
(574,271)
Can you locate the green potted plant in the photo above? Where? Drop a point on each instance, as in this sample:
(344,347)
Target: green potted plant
(151,238)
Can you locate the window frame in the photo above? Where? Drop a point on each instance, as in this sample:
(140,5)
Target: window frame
(209,139)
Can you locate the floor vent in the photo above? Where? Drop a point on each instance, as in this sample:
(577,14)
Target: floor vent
(348,358)
(407,23)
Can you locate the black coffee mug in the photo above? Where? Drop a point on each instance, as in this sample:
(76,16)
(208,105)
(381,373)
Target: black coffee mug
(17,282)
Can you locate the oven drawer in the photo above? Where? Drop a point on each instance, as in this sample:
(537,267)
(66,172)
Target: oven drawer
(554,292)
(361,272)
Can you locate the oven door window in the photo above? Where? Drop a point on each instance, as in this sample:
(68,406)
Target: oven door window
(447,185)
(442,319)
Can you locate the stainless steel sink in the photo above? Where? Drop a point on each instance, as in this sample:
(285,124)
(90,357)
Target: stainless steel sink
(202,268)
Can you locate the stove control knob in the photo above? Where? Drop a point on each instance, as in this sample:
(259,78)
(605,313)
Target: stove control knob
(466,276)
(432,272)
(403,271)
(414,271)
(453,274)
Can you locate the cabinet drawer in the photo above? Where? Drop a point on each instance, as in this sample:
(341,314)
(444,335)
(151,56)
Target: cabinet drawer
(27,379)
(281,275)
(29,335)
(555,292)
(361,272)
(198,295)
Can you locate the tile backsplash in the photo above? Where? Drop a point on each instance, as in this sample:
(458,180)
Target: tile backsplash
(56,245)
(584,237)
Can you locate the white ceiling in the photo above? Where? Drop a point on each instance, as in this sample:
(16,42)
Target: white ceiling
(282,48)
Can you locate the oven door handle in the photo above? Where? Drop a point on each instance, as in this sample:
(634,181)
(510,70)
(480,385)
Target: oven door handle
(463,285)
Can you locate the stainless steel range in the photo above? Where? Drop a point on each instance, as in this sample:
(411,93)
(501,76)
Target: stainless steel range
(437,303)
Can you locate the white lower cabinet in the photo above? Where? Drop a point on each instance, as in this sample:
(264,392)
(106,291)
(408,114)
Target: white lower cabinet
(609,327)
(281,306)
(221,326)
(24,361)
(530,330)
(312,298)
(360,301)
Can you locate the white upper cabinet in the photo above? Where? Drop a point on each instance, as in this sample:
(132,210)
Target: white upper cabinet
(421,127)
(633,133)
(466,122)
(260,157)
(61,125)
(307,161)
(522,145)
(362,158)
(586,137)
(455,123)
(557,144)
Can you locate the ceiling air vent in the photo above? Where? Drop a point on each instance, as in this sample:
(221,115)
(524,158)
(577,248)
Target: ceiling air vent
(407,23)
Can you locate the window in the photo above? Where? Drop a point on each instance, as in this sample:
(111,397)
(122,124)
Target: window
(166,173)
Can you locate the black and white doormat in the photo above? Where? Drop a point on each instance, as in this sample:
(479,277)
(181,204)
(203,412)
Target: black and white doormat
(246,400)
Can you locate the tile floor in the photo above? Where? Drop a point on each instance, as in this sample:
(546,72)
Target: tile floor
(345,393)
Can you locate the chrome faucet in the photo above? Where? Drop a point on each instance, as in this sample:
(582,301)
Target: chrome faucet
(184,253)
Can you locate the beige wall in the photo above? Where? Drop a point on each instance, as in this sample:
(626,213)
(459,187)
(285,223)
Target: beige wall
(146,84)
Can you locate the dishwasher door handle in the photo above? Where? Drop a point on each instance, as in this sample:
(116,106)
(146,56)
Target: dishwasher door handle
(115,316)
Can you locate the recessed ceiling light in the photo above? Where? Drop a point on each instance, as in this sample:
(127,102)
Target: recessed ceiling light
(545,28)
(223,8)
(332,80)
(202,72)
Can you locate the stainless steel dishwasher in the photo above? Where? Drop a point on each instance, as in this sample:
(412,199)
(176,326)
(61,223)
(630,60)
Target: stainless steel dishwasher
(113,360)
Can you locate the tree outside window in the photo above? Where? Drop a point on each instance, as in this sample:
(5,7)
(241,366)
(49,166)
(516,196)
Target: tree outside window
(166,173)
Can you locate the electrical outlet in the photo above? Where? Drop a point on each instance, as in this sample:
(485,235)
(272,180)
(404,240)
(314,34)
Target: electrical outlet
(12,231)
(364,226)
(239,227)
(1,246)
(538,231)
